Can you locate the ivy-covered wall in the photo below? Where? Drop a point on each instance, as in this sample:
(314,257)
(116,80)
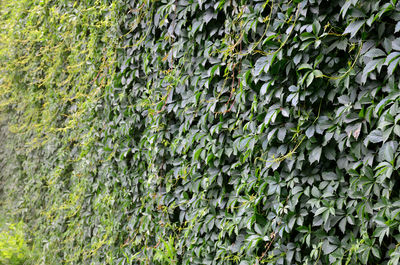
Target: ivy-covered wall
(202,132)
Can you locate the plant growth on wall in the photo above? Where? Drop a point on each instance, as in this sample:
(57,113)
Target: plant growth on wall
(203,132)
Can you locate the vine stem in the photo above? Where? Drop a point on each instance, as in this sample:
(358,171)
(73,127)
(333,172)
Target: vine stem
(351,67)
(287,38)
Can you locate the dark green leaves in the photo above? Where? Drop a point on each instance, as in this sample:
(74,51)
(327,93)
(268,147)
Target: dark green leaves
(354,27)
(375,136)
(204,132)
(315,155)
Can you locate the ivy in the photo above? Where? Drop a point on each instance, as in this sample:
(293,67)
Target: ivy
(203,132)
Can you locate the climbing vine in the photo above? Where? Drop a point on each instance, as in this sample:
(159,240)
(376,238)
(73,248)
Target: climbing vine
(202,132)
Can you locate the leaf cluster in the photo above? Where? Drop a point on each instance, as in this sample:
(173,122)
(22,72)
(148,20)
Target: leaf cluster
(229,132)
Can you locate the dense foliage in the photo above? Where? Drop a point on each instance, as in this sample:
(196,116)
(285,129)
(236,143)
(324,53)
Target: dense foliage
(203,132)
(13,247)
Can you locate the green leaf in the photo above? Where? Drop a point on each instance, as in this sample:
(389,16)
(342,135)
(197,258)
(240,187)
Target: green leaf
(375,136)
(328,248)
(318,73)
(321,210)
(260,64)
(310,78)
(391,57)
(375,52)
(389,150)
(264,88)
(208,16)
(392,66)
(315,155)
(397,28)
(281,134)
(316,27)
(310,132)
(329,176)
(297,58)
(371,65)
(354,27)
(396,44)
(304,66)
(197,154)
(396,130)
(342,225)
